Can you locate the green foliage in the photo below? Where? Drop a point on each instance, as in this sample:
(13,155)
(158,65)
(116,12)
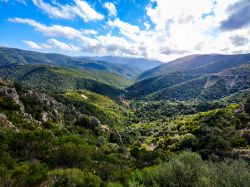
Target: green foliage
(188,169)
(150,85)
(72,177)
(108,111)
(206,88)
(25,174)
(216,131)
(8,104)
(73,155)
(71,135)
(37,144)
(156,110)
(49,79)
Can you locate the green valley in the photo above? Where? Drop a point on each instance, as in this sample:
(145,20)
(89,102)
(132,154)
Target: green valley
(174,125)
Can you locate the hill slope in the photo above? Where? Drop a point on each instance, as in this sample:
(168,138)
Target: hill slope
(50,79)
(185,87)
(193,68)
(205,87)
(16,56)
(198,64)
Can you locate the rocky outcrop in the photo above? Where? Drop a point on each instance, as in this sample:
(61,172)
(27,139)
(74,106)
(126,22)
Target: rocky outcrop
(31,105)
(44,108)
(39,108)
(10,94)
(5,122)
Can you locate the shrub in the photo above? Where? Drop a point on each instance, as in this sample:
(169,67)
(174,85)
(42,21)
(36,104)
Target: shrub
(72,177)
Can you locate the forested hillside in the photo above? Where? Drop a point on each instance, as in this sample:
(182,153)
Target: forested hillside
(210,74)
(65,126)
(51,79)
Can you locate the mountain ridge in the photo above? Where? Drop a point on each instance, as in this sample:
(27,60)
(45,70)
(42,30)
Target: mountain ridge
(194,61)
(19,56)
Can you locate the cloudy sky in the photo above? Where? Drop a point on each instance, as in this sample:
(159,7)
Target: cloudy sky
(156,29)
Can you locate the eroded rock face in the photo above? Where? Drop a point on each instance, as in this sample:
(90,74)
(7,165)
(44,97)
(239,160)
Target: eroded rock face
(10,97)
(5,122)
(47,108)
(33,106)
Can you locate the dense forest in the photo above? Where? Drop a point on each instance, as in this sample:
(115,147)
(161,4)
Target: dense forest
(62,125)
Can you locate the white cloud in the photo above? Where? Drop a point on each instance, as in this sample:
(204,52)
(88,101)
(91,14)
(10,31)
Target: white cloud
(57,30)
(80,8)
(63,46)
(126,29)
(111,8)
(192,27)
(18,1)
(32,44)
(176,28)
(102,44)
(85,11)
(123,26)
(52,44)
(88,31)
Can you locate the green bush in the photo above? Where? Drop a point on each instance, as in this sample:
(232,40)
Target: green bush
(72,177)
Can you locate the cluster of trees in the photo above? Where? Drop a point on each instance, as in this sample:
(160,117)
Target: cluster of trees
(188,169)
(55,159)
(161,110)
(195,88)
(33,157)
(153,84)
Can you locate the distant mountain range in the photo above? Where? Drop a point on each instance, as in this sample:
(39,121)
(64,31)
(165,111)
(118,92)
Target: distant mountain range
(127,67)
(139,63)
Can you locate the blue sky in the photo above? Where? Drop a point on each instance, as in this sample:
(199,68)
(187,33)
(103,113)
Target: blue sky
(156,29)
